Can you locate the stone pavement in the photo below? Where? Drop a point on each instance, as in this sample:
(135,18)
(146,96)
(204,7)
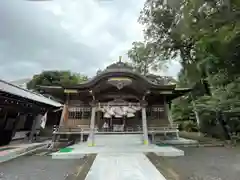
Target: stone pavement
(123,166)
(204,163)
(32,167)
(119,157)
(13,151)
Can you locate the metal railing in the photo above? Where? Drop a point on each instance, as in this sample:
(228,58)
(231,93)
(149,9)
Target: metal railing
(86,129)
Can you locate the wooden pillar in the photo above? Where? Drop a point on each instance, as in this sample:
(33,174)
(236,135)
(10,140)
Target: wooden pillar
(144,123)
(167,112)
(81,138)
(64,115)
(4,120)
(36,120)
(15,124)
(62,121)
(91,140)
(5,137)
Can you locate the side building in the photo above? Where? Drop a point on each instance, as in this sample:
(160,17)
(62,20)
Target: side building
(21,109)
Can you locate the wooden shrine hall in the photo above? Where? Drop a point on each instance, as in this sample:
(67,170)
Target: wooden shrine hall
(20,109)
(118,100)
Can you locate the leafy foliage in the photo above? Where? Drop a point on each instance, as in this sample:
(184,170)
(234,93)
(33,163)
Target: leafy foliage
(143,59)
(206,36)
(55,78)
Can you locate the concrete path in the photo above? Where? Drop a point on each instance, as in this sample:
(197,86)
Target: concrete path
(123,166)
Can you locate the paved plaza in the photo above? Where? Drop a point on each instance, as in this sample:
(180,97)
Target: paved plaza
(209,163)
(205,163)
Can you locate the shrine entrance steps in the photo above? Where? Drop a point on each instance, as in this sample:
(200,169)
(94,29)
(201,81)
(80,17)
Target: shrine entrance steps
(118,139)
(116,143)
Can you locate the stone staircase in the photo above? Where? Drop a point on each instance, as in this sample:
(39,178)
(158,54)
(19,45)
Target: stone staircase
(118,139)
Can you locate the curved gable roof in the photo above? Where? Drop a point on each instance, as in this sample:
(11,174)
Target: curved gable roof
(116,70)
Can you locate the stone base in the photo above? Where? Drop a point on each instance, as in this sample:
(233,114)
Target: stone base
(79,150)
(179,141)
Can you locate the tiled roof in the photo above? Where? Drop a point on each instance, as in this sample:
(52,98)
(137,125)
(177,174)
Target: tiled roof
(15,90)
(20,81)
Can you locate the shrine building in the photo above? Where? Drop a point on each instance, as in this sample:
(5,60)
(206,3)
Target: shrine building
(117,100)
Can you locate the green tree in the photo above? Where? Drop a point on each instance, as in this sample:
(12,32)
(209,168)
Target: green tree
(55,78)
(205,34)
(143,58)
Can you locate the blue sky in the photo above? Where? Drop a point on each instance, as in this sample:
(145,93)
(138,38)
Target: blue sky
(78,35)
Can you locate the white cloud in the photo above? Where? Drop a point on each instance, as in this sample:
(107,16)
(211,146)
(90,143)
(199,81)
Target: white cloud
(78,35)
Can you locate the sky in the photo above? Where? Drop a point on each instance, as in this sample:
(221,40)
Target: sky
(77,35)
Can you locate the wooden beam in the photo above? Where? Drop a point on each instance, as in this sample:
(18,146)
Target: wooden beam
(71,91)
(166,92)
(20,105)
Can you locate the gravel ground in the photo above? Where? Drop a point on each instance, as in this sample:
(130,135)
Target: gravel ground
(207,163)
(33,167)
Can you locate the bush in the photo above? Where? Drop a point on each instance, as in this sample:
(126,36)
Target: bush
(188,126)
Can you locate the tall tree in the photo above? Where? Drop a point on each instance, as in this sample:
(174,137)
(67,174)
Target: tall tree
(205,34)
(143,58)
(55,78)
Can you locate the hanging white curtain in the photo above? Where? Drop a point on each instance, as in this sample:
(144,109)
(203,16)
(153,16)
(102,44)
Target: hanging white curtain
(129,115)
(131,110)
(118,116)
(125,108)
(109,110)
(101,109)
(136,108)
(107,115)
(118,111)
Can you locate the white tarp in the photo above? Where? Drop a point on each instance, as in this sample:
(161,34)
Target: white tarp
(43,121)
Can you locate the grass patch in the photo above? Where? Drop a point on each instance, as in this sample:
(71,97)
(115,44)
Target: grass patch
(66,150)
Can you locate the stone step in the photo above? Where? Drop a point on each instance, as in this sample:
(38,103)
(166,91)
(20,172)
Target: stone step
(118,139)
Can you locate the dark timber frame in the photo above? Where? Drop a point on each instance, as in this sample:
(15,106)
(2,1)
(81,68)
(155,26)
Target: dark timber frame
(15,103)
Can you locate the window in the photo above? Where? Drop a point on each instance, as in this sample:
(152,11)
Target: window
(79,113)
(156,112)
